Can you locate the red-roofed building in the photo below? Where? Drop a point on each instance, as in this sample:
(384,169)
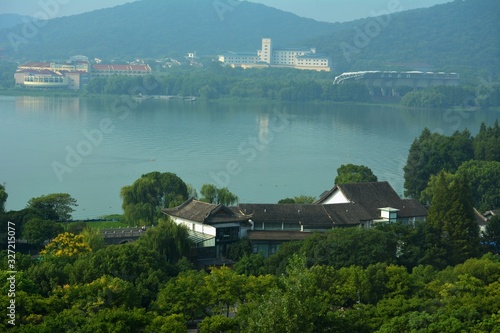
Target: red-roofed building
(114,69)
(65,75)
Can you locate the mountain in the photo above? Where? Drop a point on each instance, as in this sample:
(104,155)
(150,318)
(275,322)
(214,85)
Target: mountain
(461,36)
(456,36)
(11,20)
(160,27)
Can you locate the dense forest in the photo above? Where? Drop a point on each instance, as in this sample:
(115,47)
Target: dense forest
(477,158)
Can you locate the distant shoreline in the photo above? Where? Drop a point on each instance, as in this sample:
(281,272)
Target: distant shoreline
(394,102)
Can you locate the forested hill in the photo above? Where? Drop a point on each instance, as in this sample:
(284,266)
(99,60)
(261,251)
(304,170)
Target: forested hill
(460,35)
(150,28)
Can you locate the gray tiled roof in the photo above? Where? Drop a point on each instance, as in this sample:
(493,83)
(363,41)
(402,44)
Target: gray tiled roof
(203,212)
(376,195)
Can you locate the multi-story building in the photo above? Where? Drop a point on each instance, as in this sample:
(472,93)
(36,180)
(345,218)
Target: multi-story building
(300,58)
(112,69)
(72,74)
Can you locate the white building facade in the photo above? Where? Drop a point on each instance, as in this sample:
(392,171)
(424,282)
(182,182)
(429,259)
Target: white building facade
(300,58)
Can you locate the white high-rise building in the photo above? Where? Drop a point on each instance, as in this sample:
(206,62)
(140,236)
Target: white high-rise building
(300,58)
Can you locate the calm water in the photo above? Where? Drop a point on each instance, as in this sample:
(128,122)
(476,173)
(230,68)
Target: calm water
(90,148)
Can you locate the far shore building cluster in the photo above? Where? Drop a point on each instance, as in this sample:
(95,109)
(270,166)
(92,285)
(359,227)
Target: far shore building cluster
(268,56)
(71,74)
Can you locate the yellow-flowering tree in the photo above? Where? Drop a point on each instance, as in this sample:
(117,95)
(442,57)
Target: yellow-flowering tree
(67,245)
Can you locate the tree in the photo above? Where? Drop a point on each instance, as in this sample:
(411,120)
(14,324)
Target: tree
(350,173)
(168,239)
(492,234)
(427,194)
(484,178)
(451,214)
(185,294)
(54,207)
(66,245)
(239,249)
(487,143)
(3,198)
(36,230)
(93,238)
(213,194)
(218,323)
(171,324)
(144,199)
(224,288)
(343,247)
(286,201)
(431,153)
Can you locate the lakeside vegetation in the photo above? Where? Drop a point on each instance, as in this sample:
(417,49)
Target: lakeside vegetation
(216,82)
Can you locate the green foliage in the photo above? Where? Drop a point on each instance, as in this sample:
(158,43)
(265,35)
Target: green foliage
(351,246)
(170,324)
(93,238)
(144,199)
(7,70)
(213,194)
(105,292)
(250,264)
(186,294)
(492,234)
(379,298)
(54,207)
(287,201)
(432,153)
(487,143)
(484,178)
(451,214)
(76,227)
(224,289)
(240,249)
(439,97)
(145,268)
(300,200)
(276,264)
(3,198)
(36,230)
(218,323)
(167,239)
(350,173)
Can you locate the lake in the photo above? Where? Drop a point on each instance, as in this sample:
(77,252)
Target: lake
(263,152)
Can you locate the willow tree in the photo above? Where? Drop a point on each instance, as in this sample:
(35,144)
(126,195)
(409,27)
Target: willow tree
(144,199)
(213,194)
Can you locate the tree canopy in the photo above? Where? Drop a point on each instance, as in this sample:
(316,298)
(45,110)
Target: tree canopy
(212,194)
(351,173)
(36,230)
(144,199)
(3,198)
(451,213)
(54,207)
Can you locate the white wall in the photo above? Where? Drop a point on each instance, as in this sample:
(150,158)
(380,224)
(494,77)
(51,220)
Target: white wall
(335,198)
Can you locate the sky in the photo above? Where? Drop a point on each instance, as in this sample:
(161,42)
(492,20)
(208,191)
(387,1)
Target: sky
(321,10)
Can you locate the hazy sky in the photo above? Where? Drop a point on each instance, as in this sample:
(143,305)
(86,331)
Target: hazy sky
(322,10)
